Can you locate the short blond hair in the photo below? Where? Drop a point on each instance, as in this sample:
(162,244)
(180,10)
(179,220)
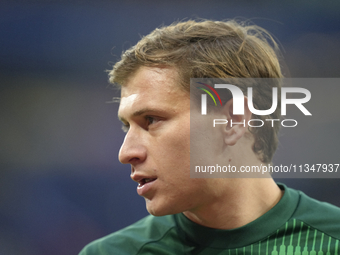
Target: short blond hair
(213,49)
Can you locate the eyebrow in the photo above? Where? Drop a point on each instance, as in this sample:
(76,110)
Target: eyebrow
(141,112)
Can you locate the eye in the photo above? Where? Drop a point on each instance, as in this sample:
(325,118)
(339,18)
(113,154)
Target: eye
(150,120)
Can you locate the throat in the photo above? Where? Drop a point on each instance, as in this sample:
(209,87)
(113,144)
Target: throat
(231,212)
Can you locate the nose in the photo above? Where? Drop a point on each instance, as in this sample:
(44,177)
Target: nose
(133,150)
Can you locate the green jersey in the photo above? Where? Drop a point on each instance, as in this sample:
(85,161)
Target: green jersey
(296,225)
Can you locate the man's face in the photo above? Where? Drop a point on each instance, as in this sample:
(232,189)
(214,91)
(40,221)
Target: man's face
(156,113)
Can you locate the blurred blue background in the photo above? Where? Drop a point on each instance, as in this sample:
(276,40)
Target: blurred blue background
(61,185)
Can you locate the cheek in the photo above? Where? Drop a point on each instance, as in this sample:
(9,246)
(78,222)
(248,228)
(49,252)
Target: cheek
(173,159)
(180,148)
(176,156)
(176,142)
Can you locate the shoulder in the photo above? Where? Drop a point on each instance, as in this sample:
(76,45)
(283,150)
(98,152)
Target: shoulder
(322,216)
(132,238)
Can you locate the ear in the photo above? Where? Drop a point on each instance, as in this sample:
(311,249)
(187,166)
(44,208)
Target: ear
(237,124)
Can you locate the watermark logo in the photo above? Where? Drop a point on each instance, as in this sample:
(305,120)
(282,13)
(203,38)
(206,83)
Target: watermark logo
(238,99)
(239,103)
(204,97)
(223,134)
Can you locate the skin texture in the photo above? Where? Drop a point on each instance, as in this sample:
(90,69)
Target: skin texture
(157,143)
(155,111)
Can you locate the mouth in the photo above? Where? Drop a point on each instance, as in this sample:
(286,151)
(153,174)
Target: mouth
(145,186)
(144,181)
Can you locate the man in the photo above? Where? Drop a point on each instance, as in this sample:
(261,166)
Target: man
(207,215)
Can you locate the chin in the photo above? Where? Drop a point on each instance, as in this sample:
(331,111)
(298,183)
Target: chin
(158,209)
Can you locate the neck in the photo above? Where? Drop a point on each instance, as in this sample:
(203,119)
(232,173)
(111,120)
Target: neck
(237,203)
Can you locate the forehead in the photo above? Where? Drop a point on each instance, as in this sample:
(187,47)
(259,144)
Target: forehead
(156,78)
(152,87)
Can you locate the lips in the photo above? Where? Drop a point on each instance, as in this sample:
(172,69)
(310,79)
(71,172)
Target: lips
(145,180)
(145,186)
(145,183)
